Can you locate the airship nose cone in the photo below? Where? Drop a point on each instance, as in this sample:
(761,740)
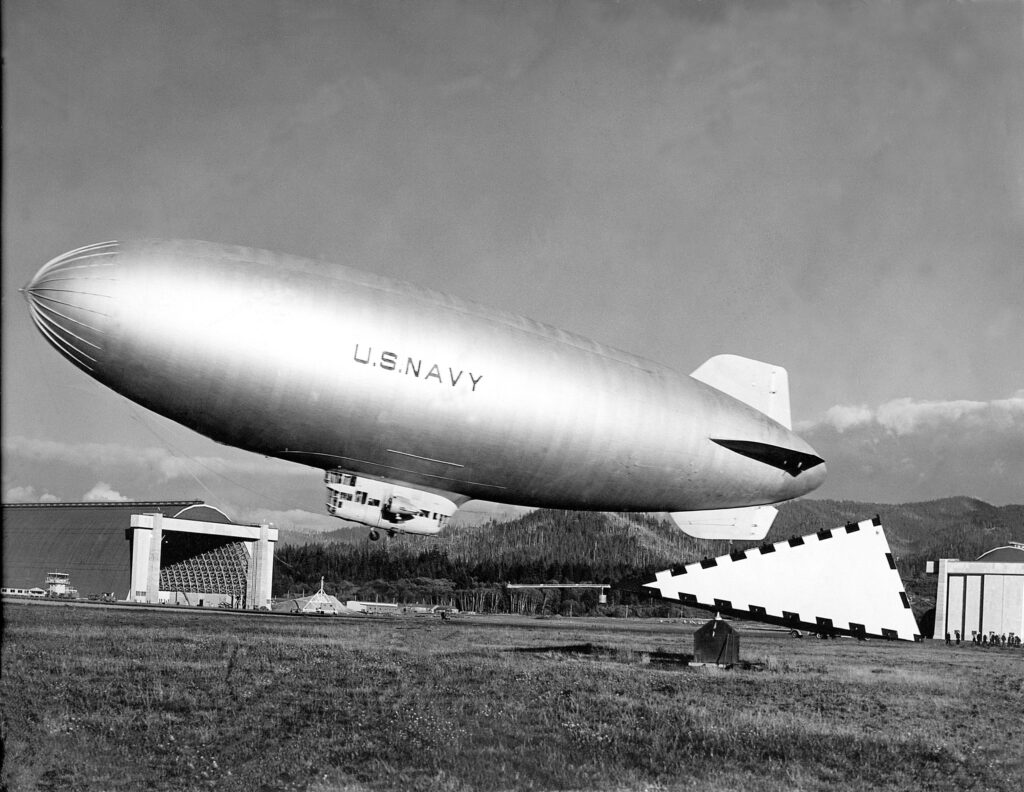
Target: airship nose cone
(69,300)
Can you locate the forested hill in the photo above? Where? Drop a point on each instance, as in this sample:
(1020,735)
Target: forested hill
(948,528)
(568,546)
(542,546)
(468,565)
(608,543)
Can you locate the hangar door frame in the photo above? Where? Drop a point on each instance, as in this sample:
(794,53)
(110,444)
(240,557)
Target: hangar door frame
(968,608)
(146,536)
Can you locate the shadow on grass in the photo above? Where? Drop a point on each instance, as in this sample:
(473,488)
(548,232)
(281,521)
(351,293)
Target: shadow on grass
(627,656)
(630,656)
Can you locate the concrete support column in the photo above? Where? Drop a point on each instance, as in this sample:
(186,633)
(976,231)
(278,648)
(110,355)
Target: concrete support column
(942,591)
(267,564)
(142,535)
(252,589)
(156,540)
(261,571)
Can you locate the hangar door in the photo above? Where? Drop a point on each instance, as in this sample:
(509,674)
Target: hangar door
(985,603)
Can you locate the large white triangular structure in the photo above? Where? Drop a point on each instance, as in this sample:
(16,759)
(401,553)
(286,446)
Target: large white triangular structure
(841,581)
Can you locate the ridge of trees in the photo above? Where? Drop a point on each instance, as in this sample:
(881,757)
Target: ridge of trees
(468,567)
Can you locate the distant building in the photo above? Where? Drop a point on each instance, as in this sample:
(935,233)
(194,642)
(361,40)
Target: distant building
(177,552)
(373,608)
(58,584)
(983,596)
(22,592)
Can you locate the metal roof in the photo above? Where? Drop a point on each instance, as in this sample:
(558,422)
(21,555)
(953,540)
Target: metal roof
(86,540)
(1012,554)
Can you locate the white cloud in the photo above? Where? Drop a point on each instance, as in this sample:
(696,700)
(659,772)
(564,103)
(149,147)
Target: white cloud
(167,464)
(908,450)
(298,519)
(103,492)
(906,416)
(28,495)
(846,416)
(151,473)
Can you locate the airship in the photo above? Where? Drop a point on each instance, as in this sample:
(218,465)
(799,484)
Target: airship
(412,402)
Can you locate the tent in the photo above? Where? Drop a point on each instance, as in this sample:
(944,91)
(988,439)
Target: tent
(317,603)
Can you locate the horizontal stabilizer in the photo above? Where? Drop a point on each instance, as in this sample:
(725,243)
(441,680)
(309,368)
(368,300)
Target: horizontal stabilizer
(761,385)
(750,523)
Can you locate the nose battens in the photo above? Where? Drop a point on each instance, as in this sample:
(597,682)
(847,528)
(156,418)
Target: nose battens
(67,299)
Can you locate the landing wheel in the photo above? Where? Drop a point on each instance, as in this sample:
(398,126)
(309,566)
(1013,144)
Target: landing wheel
(374,536)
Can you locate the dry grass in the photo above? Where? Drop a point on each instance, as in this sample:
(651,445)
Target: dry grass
(125,699)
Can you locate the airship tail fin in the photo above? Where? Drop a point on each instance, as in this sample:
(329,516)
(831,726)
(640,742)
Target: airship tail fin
(763,386)
(750,523)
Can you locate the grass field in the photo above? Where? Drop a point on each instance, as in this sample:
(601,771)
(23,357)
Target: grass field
(131,699)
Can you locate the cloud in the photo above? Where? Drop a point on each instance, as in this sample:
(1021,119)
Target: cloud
(296,519)
(909,450)
(846,416)
(907,416)
(103,492)
(27,494)
(229,479)
(161,461)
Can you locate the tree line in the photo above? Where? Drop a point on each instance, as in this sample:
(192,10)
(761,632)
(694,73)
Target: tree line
(468,567)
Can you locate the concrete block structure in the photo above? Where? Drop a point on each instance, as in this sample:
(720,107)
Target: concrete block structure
(984,596)
(187,561)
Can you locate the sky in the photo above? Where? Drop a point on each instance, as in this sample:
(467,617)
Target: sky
(837,188)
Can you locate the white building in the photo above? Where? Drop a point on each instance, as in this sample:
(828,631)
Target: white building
(59,585)
(22,592)
(984,596)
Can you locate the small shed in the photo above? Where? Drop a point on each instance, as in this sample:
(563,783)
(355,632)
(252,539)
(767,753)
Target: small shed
(716,643)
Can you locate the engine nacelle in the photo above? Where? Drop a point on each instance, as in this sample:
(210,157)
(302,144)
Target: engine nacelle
(389,507)
(401,508)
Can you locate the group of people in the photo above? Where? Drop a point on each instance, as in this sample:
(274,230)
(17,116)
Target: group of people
(988,639)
